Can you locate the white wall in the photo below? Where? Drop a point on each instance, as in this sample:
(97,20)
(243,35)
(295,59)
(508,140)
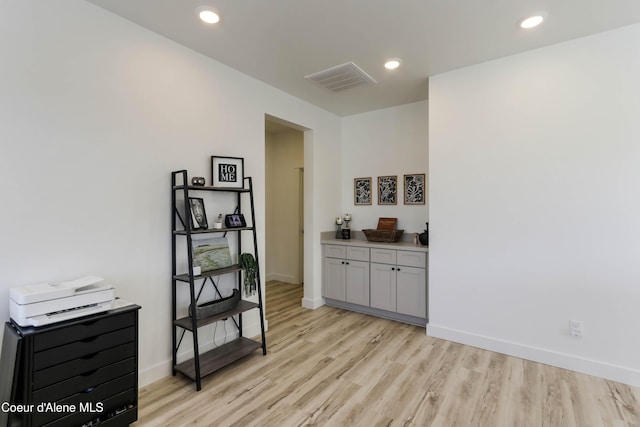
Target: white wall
(95,112)
(534,204)
(285,159)
(391,141)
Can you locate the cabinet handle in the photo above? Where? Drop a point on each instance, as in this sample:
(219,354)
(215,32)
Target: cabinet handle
(89,356)
(89,323)
(393,269)
(342,262)
(88,374)
(347,263)
(398,269)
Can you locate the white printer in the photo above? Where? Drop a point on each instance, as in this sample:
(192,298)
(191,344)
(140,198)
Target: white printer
(42,304)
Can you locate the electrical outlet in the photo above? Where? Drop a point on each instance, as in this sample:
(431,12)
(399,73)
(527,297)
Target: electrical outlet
(575,328)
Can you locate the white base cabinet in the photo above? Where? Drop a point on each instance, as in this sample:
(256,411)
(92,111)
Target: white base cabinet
(385,282)
(399,281)
(346,273)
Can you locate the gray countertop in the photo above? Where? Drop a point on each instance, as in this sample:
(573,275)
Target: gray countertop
(358,239)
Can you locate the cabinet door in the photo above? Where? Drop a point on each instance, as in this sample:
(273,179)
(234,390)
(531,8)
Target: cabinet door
(357,283)
(333,283)
(412,291)
(383,286)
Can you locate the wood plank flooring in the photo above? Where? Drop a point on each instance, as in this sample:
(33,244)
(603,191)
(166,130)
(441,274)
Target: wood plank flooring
(329,367)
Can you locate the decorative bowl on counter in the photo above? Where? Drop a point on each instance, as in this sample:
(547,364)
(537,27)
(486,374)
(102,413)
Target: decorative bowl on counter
(385,236)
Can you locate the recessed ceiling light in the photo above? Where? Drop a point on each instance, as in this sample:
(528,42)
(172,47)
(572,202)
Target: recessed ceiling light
(207,15)
(532,21)
(392,64)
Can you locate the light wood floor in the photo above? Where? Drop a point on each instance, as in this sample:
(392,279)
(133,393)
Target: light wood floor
(329,367)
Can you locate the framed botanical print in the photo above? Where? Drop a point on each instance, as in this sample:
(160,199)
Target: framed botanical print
(387,190)
(414,189)
(362,191)
(227,172)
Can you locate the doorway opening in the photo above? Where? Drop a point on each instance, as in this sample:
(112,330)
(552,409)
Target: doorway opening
(284,216)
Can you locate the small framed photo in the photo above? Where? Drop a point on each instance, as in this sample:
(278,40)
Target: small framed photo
(362,191)
(234,221)
(198,214)
(414,189)
(227,172)
(388,190)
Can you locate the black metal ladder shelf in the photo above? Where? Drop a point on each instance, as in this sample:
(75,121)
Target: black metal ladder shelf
(211,361)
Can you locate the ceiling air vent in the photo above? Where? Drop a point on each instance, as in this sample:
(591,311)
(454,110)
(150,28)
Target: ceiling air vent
(341,77)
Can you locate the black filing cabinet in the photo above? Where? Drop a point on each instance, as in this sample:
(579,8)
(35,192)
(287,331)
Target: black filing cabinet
(79,372)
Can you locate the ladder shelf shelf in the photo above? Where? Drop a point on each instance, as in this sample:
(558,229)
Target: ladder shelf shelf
(242,306)
(218,358)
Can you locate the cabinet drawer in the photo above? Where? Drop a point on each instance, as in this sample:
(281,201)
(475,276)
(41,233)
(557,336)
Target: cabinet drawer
(383,256)
(335,251)
(84,381)
(357,253)
(122,403)
(74,350)
(83,330)
(53,374)
(412,259)
(99,393)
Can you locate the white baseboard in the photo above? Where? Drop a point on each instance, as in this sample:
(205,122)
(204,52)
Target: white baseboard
(253,330)
(571,362)
(154,373)
(286,278)
(312,303)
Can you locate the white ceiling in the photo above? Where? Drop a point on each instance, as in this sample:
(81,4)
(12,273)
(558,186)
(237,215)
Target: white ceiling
(281,41)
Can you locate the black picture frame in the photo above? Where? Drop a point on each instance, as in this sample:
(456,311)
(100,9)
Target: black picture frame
(227,172)
(198,214)
(234,221)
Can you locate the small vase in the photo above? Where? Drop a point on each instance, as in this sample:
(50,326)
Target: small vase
(424,237)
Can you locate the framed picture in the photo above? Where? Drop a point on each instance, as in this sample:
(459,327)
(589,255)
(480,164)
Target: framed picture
(227,172)
(234,221)
(414,187)
(198,214)
(362,191)
(387,190)
(211,254)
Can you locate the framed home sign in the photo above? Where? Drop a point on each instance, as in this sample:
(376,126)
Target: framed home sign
(227,172)
(362,191)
